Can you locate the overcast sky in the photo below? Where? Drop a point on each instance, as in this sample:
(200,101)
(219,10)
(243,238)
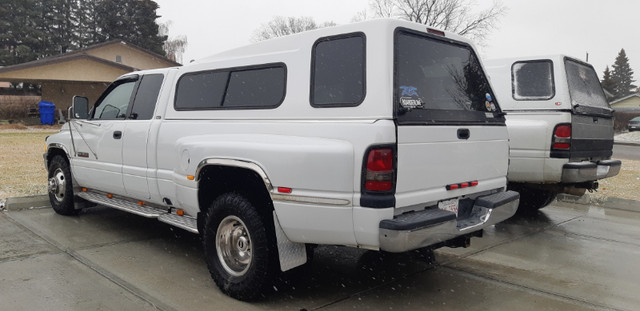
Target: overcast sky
(530,27)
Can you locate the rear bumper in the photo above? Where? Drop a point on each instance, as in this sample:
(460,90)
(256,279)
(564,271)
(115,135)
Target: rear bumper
(431,226)
(576,172)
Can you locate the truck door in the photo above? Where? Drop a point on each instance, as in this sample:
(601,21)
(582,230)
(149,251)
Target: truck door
(135,137)
(97,160)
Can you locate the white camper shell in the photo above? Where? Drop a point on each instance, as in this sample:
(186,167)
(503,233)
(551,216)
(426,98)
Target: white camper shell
(560,126)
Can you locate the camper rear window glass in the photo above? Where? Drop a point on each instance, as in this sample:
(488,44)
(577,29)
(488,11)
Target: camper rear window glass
(533,80)
(338,71)
(258,87)
(440,81)
(584,85)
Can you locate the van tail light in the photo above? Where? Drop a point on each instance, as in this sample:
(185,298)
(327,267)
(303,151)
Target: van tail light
(561,137)
(379,170)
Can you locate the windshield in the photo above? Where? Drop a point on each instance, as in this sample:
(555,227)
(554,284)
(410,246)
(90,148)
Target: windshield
(438,81)
(584,86)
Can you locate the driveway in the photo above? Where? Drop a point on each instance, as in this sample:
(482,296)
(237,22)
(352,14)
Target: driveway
(568,257)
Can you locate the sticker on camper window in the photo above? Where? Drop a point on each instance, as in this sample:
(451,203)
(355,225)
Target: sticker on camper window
(410,99)
(409,91)
(488,97)
(411,103)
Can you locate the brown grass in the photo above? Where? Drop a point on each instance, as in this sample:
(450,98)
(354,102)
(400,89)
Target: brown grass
(625,185)
(22,170)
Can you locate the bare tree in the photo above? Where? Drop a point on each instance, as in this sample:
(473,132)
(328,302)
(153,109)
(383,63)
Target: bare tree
(174,47)
(282,26)
(451,15)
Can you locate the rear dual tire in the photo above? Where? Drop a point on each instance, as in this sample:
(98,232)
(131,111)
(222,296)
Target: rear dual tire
(531,199)
(239,248)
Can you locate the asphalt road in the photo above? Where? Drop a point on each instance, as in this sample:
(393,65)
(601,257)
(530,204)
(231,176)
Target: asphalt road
(568,257)
(626,152)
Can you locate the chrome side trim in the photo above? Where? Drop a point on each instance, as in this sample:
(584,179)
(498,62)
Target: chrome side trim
(235,163)
(309,200)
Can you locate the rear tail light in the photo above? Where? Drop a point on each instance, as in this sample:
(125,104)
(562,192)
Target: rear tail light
(561,137)
(379,170)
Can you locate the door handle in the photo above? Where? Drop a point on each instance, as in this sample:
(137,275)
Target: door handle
(464,134)
(117,134)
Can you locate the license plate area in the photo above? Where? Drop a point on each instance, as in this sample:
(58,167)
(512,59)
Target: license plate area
(451,205)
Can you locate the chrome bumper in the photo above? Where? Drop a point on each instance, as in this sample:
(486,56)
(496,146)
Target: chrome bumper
(431,226)
(576,172)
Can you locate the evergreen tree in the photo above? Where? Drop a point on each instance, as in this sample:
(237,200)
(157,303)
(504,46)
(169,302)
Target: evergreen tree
(20,34)
(88,31)
(607,81)
(132,21)
(622,76)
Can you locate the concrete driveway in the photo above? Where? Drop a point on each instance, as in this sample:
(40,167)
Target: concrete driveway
(568,257)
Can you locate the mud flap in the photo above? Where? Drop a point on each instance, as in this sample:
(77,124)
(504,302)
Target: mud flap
(291,254)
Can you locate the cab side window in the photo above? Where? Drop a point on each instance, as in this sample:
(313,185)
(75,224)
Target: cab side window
(115,103)
(146,97)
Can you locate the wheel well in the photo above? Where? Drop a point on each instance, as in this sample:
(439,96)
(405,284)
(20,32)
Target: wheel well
(215,180)
(52,152)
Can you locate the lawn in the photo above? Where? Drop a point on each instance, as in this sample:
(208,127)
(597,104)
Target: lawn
(22,170)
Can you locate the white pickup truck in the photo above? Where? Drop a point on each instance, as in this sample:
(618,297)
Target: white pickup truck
(560,127)
(382,135)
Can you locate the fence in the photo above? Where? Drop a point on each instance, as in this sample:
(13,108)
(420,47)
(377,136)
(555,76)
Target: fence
(18,107)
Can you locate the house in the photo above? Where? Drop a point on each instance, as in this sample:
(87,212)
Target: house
(86,72)
(627,103)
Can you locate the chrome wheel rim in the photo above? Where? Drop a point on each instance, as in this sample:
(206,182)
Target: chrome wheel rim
(233,245)
(57,185)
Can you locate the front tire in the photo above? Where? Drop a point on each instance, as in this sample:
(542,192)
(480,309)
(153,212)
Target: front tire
(60,186)
(240,251)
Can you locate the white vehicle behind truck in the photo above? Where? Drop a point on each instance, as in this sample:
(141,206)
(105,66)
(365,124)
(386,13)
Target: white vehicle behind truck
(382,135)
(560,127)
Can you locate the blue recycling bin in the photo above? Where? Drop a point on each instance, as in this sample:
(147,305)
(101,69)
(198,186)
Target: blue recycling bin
(47,112)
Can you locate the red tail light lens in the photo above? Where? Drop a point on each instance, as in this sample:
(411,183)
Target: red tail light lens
(562,137)
(379,170)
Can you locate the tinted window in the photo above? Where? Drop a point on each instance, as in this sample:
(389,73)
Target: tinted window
(584,85)
(438,81)
(338,71)
(533,80)
(145,102)
(254,88)
(114,104)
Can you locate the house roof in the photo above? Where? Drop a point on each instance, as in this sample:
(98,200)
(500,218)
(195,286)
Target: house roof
(624,98)
(27,71)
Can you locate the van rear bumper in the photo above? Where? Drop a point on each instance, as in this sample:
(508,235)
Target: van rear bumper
(431,226)
(576,172)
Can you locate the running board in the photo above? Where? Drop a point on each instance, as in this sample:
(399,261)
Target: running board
(162,214)
(183,222)
(123,205)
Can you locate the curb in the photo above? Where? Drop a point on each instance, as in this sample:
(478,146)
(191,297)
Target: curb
(612,202)
(20,203)
(625,143)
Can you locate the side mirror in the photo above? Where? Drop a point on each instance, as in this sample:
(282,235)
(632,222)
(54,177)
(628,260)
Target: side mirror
(80,107)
